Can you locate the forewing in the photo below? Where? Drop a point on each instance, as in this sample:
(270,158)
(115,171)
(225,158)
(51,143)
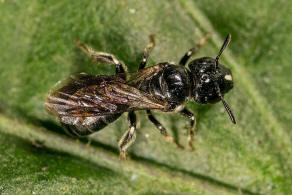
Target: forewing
(135,79)
(88,95)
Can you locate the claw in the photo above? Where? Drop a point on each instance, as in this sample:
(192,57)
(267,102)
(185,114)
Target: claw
(190,142)
(169,139)
(123,155)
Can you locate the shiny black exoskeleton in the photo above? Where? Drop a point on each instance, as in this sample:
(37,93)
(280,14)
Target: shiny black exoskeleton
(210,82)
(206,81)
(87,103)
(172,84)
(203,82)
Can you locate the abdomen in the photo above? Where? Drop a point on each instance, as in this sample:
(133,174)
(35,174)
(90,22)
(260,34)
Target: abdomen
(83,126)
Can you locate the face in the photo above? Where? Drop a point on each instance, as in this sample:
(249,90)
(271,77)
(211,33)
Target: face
(209,82)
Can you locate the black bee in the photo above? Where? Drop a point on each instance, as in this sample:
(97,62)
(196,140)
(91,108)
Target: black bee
(87,103)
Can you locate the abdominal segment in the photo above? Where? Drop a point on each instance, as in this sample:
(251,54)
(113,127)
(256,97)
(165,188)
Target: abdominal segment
(82,126)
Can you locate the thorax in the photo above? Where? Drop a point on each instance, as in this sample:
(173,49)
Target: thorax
(172,84)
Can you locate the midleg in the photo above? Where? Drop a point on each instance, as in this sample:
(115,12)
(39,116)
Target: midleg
(129,136)
(98,56)
(193,50)
(146,53)
(162,129)
(191,130)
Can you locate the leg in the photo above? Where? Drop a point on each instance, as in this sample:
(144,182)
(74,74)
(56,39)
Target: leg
(191,131)
(162,129)
(147,50)
(101,57)
(193,50)
(129,136)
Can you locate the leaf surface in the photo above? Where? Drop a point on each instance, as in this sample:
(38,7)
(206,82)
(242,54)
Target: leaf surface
(37,50)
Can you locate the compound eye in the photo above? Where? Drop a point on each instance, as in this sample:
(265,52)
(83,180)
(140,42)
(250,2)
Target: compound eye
(205,78)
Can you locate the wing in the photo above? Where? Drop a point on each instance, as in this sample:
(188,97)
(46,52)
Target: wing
(136,79)
(89,95)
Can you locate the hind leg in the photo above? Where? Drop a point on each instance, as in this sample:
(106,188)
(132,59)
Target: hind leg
(129,136)
(99,56)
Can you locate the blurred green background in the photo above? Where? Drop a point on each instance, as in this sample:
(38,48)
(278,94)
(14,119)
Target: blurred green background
(37,50)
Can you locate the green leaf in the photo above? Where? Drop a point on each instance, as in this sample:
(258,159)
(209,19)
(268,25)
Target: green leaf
(37,50)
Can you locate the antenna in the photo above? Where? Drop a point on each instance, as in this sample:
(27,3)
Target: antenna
(226,42)
(228,110)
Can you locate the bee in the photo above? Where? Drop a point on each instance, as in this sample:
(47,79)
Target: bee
(87,103)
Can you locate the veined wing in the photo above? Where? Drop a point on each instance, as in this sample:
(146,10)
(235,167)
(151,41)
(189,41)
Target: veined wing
(136,79)
(89,95)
